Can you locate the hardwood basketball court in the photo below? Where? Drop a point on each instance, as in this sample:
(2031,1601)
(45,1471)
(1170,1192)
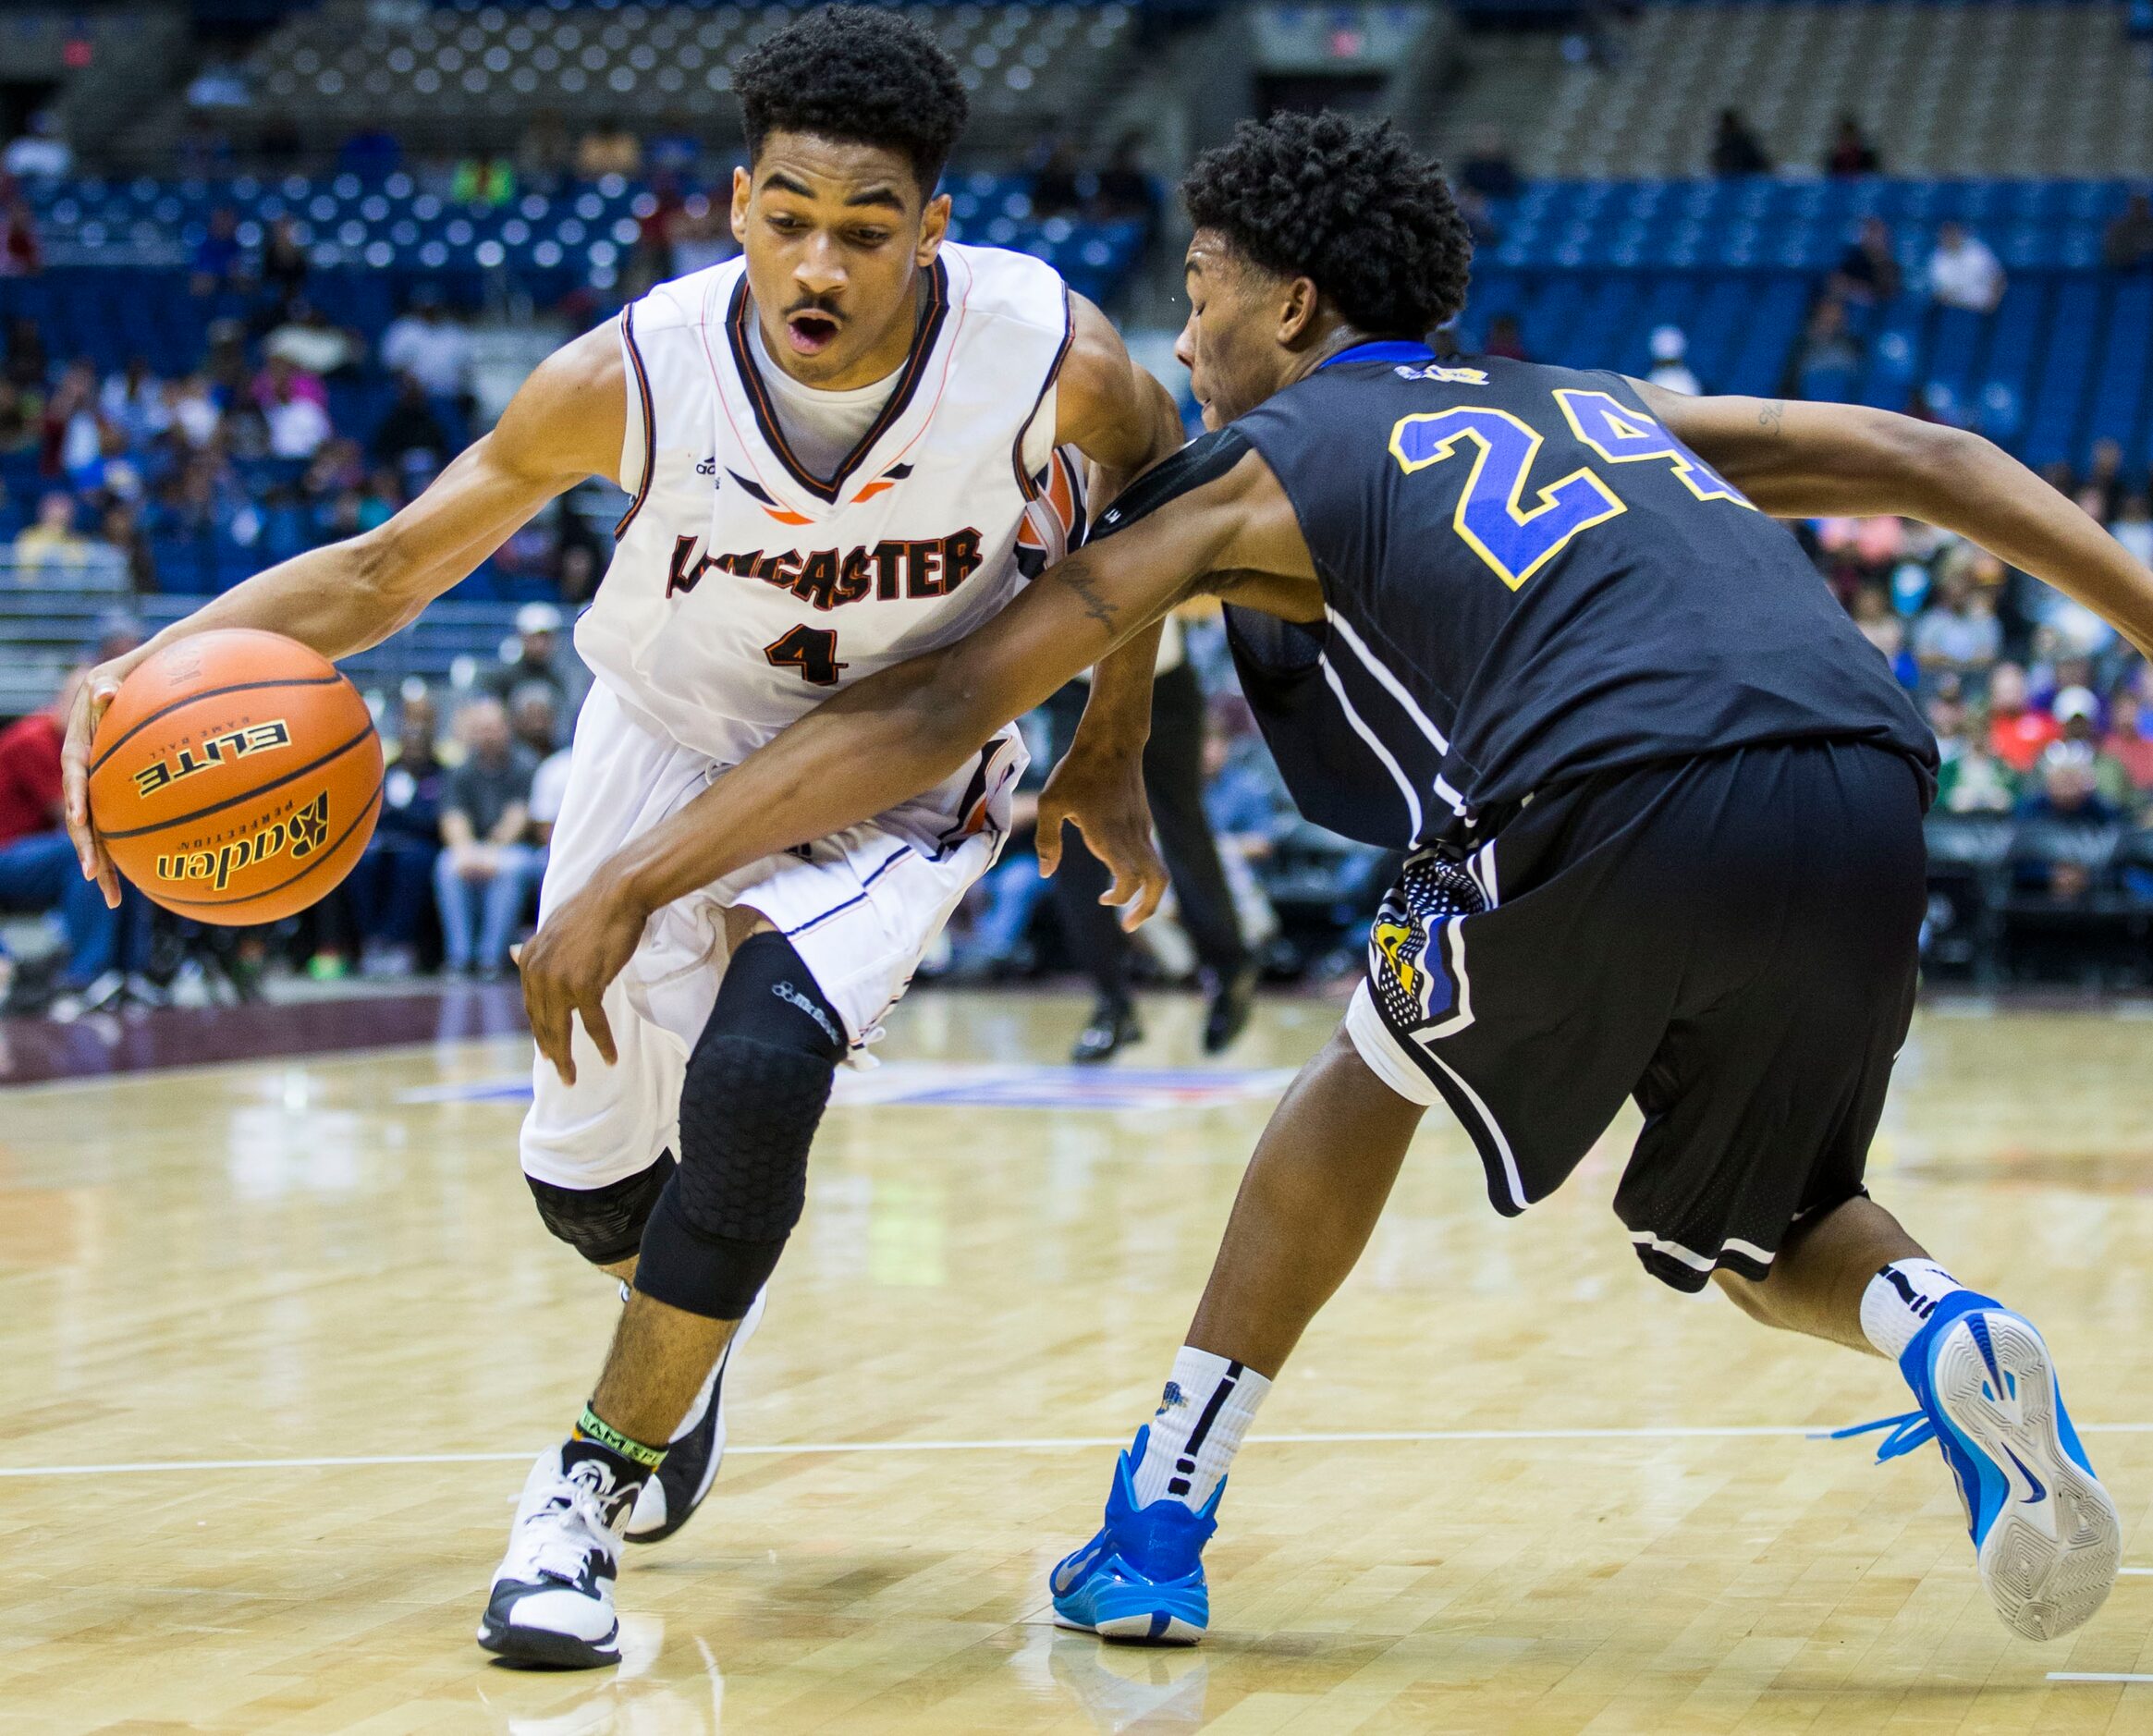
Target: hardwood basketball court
(281,1337)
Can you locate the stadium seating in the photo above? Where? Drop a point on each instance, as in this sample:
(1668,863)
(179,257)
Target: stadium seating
(474,76)
(371,238)
(2028,90)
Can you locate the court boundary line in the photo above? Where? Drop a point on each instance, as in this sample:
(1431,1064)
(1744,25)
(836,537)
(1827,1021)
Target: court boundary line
(2095,1675)
(1062,1443)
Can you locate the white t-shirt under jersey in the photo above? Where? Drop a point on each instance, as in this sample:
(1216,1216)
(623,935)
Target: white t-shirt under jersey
(823,426)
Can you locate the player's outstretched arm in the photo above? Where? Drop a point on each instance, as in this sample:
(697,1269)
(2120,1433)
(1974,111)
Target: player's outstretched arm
(1125,421)
(567,423)
(905,728)
(1809,461)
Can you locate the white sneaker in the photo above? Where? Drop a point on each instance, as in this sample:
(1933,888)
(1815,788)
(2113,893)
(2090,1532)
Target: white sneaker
(670,1498)
(552,1599)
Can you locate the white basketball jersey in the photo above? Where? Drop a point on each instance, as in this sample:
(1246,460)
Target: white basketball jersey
(744,590)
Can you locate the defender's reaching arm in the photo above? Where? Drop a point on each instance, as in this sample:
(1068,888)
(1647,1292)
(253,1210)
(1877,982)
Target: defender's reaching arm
(1812,460)
(1124,421)
(567,422)
(904,729)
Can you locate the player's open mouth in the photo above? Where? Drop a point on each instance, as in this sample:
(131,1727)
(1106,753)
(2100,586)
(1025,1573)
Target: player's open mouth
(811,334)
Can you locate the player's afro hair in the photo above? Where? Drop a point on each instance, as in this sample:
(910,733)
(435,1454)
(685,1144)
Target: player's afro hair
(858,73)
(1354,209)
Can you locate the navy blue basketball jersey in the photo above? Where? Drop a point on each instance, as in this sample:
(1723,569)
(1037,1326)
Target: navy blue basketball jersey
(1527,579)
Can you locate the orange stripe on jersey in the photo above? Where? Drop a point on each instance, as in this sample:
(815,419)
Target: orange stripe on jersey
(787,517)
(1061,491)
(871,490)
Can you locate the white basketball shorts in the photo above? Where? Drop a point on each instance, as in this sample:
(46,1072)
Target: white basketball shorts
(859,908)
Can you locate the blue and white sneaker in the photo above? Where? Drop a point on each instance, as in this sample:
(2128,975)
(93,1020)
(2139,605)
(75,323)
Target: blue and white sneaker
(2048,1534)
(1142,1578)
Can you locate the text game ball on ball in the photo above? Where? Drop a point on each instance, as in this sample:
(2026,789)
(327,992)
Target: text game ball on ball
(235,776)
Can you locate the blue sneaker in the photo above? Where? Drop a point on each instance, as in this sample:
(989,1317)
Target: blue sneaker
(2048,1539)
(1142,1578)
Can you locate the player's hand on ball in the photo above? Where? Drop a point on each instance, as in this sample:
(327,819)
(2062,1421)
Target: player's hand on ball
(1102,795)
(569,964)
(92,699)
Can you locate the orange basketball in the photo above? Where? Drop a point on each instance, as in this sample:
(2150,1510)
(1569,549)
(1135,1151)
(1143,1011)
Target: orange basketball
(235,776)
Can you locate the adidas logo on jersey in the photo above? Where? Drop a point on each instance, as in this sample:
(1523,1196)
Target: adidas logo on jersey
(829,578)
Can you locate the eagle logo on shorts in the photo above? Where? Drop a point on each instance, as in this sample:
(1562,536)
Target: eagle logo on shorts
(1407,970)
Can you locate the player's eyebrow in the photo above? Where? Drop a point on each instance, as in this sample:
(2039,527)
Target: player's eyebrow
(879,194)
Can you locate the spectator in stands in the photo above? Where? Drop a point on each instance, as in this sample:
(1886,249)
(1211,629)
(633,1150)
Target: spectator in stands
(2127,243)
(1964,272)
(2133,526)
(578,571)
(1505,338)
(285,263)
(1671,368)
(2017,731)
(700,236)
(69,431)
(411,429)
(38,868)
(1056,189)
(313,343)
(1126,192)
(1970,779)
(534,718)
(484,183)
(38,153)
(485,869)
(1829,358)
(22,255)
(546,153)
(120,527)
(2067,792)
(1853,152)
(2129,744)
(1489,168)
(219,263)
(609,149)
(52,540)
(195,415)
(542,656)
(436,351)
(134,401)
(2102,490)
(2078,714)
(392,885)
(549,786)
(1868,271)
(291,404)
(1874,616)
(1958,634)
(1736,150)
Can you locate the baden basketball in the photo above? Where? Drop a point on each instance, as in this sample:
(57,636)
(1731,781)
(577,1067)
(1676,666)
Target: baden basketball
(235,776)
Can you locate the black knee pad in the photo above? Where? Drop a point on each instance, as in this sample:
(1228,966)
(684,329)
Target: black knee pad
(756,1087)
(605,1225)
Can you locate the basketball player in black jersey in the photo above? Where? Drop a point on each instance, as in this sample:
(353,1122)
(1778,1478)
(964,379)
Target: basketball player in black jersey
(1662,805)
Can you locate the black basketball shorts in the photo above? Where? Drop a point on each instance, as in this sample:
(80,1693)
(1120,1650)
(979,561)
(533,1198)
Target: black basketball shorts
(1729,940)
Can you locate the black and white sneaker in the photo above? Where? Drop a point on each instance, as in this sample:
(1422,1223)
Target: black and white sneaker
(551,1605)
(669,1500)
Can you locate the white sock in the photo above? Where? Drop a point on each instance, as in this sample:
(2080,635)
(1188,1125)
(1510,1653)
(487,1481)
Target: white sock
(1208,1405)
(1900,1300)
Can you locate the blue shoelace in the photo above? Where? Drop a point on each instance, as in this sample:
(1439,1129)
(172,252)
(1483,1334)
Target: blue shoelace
(1908,1432)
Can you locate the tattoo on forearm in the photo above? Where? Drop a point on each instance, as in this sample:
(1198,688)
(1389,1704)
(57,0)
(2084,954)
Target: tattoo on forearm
(1096,606)
(1772,416)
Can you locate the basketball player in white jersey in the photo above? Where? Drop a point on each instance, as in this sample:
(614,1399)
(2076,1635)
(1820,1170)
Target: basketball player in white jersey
(842,450)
